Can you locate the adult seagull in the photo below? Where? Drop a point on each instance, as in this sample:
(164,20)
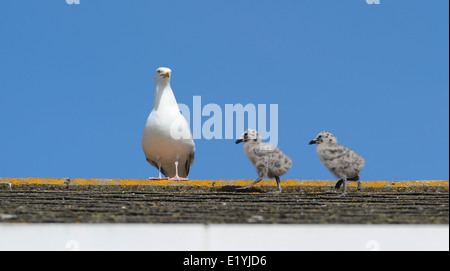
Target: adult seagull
(167,139)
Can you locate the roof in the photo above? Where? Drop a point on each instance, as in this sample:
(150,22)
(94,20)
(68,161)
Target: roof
(217,201)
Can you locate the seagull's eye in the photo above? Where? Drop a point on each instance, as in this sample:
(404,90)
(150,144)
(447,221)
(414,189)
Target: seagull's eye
(159,71)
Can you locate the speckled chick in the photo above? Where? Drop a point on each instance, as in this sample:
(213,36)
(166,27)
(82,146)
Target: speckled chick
(268,160)
(342,162)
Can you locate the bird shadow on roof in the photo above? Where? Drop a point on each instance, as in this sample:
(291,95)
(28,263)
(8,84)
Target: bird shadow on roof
(235,188)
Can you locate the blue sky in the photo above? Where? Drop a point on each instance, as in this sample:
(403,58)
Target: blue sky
(76,82)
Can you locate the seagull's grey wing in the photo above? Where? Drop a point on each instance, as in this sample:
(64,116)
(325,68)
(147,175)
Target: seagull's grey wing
(155,164)
(276,162)
(347,157)
(358,161)
(341,161)
(333,153)
(189,162)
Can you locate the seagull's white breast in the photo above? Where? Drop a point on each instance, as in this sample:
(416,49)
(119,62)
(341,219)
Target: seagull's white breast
(167,135)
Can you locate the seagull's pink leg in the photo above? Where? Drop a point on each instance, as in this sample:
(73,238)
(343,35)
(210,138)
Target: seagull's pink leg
(177,178)
(159,169)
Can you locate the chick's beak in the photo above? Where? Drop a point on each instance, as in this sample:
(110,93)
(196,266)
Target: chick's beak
(166,75)
(312,142)
(238,141)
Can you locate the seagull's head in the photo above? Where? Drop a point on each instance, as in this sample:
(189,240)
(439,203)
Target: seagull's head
(250,135)
(324,138)
(162,75)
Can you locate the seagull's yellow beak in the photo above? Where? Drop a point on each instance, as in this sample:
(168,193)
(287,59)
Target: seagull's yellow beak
(166,75)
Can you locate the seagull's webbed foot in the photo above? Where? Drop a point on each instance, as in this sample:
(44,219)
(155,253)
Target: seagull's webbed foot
(279,189)
(159,170)
(178,178)
(251,185)
(245,187)
(344,190)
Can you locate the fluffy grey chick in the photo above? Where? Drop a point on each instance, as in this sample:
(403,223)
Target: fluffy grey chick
(269,160)
(342,162)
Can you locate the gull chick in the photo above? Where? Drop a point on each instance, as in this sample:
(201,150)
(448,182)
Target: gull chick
(167,139)
(342,162)
(268,160)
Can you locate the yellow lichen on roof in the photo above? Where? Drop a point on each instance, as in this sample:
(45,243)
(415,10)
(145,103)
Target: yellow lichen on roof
(215,183)
(23,181)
